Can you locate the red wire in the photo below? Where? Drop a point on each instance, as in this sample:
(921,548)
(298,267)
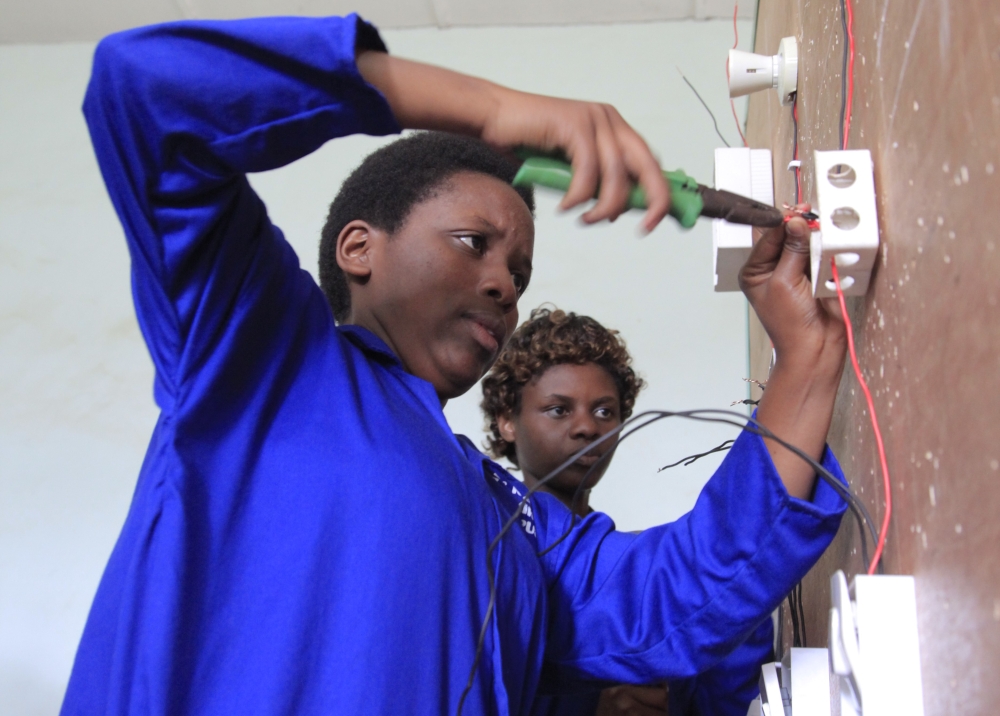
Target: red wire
(850,72)
(732,105)
(871,409)
(883,532)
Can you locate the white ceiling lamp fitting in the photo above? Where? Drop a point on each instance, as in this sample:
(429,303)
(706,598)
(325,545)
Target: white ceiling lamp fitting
(752,73)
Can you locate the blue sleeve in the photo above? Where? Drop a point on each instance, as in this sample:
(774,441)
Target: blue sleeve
(673,601)
(178,113)
(727,688)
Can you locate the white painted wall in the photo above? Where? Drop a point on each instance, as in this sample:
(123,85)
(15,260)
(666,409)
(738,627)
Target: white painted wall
(76,403)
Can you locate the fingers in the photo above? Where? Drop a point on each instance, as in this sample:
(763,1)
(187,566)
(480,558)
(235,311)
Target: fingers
(632,701)
(615,180)
(582,149)
(794,258)
(832,307)
(608,154)
(646,168)
(655,696)
(765,253)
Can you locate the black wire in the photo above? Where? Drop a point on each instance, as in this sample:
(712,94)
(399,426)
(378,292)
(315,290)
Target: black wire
(793,611)
(795,145)
(707,108)
(691,459)
(843,75)
(710,415)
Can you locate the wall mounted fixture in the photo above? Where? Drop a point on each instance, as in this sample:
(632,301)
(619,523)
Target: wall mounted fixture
(752,73)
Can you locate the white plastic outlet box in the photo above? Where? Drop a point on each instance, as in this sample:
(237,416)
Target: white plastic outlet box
(845,202)
(747,172)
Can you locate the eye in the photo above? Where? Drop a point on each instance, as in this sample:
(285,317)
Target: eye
(556,411)
(604,413)
(474,241)
(520,282)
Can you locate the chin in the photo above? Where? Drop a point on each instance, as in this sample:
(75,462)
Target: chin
(459,381)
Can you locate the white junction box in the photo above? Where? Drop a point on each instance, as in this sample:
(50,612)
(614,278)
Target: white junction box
(874,647)
(872,667)
(746,172)
(845,202)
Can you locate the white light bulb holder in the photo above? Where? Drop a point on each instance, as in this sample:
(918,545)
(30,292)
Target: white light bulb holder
(750,73)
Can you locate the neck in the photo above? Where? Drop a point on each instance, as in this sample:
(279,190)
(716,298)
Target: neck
(368,321)
(582,507)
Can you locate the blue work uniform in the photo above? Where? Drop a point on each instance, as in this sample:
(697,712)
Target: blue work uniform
(307,535)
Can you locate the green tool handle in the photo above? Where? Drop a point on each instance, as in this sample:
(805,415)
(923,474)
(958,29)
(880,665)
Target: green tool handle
(685,200)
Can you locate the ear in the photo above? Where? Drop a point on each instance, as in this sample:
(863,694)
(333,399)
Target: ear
(357,243)
(507,428)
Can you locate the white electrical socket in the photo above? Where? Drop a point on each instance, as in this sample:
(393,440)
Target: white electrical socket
(845,203)
(746,172)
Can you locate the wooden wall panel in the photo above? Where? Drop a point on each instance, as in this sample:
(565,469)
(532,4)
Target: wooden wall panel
(927,104)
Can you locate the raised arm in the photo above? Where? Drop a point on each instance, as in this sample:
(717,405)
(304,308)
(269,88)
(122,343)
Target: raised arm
(809,342)
(673,601)
(606,152)
(178,113)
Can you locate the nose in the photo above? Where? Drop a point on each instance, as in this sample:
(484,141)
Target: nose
(498,283)
(585,427)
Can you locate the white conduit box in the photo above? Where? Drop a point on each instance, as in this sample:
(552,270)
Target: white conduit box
(746,172)
(845,203)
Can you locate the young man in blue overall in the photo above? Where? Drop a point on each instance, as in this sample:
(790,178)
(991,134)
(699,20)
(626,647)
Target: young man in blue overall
(307,535)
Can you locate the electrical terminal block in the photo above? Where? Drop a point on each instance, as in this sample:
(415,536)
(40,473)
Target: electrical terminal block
(845,198)
(746,172)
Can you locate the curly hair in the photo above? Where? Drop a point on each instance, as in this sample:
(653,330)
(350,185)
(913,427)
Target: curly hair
(552,337)
(394,179)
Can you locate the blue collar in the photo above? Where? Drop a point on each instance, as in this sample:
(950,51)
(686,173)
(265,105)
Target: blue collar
(370,344)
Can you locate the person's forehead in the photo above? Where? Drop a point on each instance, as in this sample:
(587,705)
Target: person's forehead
(571,379)
(492,202)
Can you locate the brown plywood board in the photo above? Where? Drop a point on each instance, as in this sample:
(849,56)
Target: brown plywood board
(927,105)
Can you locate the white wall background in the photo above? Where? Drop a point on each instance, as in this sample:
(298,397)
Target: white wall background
(76,407)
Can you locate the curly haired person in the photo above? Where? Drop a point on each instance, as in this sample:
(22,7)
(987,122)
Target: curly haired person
(563,382)
(559,369)
(307,535)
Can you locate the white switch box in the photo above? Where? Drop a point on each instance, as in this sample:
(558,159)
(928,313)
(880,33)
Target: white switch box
(845,202)
(746,172)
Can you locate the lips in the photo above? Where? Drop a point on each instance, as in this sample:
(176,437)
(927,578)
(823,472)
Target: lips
(488,329)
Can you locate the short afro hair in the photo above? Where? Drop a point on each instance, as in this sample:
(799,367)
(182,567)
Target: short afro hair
(548,338)
(390,182)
